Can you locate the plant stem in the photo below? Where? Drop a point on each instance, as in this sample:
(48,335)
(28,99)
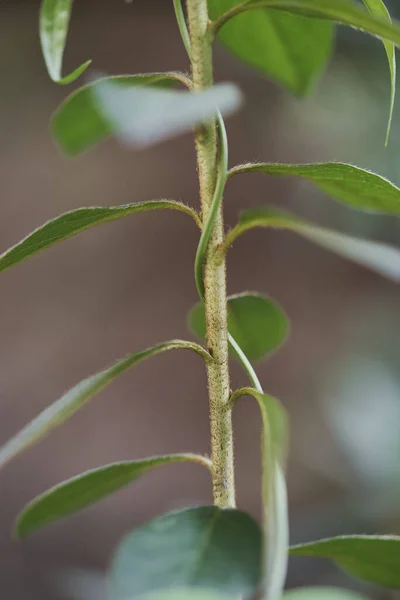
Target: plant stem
(214,275)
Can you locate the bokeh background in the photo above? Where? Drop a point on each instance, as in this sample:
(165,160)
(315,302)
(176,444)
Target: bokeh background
(121,287)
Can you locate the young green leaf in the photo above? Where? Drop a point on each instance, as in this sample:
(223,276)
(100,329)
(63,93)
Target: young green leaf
(290,49)
(381,258)
(345,12)
(181,22)
(258,324)
(273,451)
(375,559)
(78,123)
(355,187)
(204,548)
(377,7)
(53,28)
(87,488)
(141,117)
(322,593)
(207,230)
(75,221)
(79,395)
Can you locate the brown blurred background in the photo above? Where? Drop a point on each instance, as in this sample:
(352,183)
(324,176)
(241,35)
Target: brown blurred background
(121,287)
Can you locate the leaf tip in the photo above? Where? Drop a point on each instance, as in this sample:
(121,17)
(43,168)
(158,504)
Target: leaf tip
(19,532)
(74,75)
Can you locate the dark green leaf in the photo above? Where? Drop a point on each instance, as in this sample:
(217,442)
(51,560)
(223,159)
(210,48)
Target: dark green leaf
(375,559)
(79,123)
(257,323)
(351,185)
(76,397)
(378,8)
(276,523)
(75,221)
(381,258)
(196,548)
(291,49)
(53,27)
(345,12)
(90,487)
(143,116)
(322,593)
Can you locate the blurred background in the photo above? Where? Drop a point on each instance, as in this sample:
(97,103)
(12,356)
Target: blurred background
(124,286)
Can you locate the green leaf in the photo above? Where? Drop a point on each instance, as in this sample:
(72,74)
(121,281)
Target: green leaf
(276,519)
(290,49)
(79,123)
(186,594)
(87,488)
(378,8)
(381,258)
(204,548)
(322,593)
(258,324)
(75,221)
(53,28)
(143,116)
(375,559)
(345,12)
(76,397)
(276,522)
(355,187)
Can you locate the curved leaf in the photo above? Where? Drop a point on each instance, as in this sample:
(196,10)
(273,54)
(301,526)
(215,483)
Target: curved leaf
(274,444)
(381,258)
(87,488)
(291,49)
(53,28)
(358,188)
(194,549)
(322,593)
(375,559)
(78,123)
(76,397)
(257,323)
(141,117)
(345,12)
(378,8)
(75,221)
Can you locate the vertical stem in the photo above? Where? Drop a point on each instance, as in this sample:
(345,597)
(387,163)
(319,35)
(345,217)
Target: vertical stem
(214,275)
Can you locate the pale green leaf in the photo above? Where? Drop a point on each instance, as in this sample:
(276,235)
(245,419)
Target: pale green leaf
(78,123)
(53,27)
(290,49)
(87,488)
(375,559)
(274,447)
(322,593)
(79,395)
(75,221)
(258,324)
(377,7)
(355,187)
(186,594)
(143,116)
(204,548)
(381,258)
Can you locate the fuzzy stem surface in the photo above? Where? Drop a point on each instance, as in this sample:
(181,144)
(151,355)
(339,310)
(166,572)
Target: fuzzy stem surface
(215,299)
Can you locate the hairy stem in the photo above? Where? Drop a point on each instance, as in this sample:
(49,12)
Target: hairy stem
(214,275)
